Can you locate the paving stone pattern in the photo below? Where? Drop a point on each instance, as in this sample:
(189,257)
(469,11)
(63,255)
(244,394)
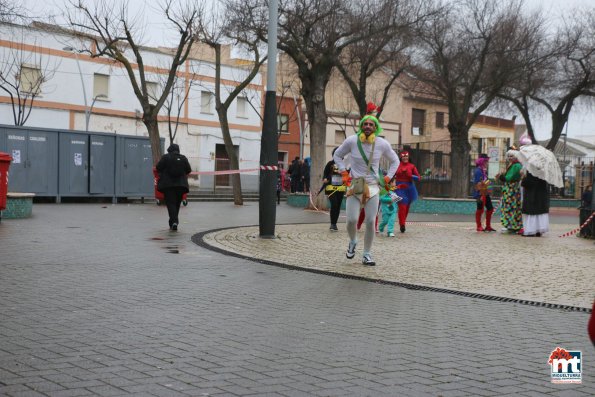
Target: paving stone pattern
(442,255)
(102,300)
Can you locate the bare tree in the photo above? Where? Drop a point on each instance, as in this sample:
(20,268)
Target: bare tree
(110,32)
(176,100)
(387,52)
(11,10)
(560,71)
(314,34)
(215,32)
(23,71)
(469,54)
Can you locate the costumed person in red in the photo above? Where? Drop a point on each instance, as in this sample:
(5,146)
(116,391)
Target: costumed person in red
(481,193)
(404,177)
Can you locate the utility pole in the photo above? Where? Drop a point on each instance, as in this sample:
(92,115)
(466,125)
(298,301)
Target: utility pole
(268,147)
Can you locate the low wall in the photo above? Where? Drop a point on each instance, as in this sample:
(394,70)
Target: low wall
(430,205)
(18,205)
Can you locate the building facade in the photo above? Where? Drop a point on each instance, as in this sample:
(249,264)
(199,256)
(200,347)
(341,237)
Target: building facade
(80,92)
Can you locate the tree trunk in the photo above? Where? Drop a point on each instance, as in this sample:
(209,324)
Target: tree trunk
(317,119)
(150,122)
(460,149)
(234,163)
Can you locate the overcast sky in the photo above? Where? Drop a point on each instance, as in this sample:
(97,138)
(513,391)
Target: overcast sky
(581,122)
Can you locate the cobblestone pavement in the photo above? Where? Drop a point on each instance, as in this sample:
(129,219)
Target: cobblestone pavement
(104,300)
(443,255)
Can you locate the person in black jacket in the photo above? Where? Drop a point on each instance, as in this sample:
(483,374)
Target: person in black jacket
(334,189)
(535,207)
(173,169)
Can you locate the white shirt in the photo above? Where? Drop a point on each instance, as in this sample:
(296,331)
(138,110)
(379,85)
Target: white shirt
(358,165)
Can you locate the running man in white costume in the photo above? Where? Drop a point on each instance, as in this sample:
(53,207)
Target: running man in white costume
(359,147)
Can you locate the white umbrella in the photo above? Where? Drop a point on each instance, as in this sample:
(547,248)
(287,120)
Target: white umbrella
(541,163)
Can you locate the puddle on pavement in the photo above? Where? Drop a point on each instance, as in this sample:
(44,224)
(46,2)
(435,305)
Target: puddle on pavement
(172,249)
(169,248)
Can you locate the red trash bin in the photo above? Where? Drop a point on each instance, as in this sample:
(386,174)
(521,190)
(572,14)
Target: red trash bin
(5,160)
(159,197)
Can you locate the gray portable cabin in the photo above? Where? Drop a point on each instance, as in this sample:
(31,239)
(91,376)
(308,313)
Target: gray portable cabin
(62,163)
(34,166)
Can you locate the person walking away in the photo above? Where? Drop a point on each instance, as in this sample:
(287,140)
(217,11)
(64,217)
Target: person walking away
(173,169)
(306,175)
(482,194)
(334,189)
(366,149)
(295,174)
(405,175)
(511,216)
(536,206)
(279,186)
(389,211)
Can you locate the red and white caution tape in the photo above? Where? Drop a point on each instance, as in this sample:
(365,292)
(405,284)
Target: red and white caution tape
(575,231)
(228,172)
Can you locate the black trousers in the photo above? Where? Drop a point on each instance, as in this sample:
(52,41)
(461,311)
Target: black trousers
(173,199)
(336,199)
(488,205)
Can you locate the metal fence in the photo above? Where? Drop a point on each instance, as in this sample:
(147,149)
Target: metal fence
(433,161)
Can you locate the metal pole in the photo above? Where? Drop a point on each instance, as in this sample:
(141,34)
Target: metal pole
(299,119)
(269,140)
(564,162)
(78,65)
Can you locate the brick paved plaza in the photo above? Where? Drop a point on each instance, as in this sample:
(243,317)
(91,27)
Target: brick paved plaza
(103,300)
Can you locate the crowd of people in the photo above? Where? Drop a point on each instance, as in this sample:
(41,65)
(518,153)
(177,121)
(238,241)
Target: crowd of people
(372,194)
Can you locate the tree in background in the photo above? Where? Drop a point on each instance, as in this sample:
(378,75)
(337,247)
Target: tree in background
(24,69)
(468,55)
(387,52)
(222,28)
(314,34)
(559,71)
(109,31)
(11,10)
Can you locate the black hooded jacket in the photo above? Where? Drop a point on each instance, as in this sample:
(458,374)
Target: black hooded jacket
(173,169)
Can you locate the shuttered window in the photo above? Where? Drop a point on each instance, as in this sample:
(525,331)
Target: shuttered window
(205,102)
(153,92)
(418,118)
(100,86)
(30,80)
(439,119)
(241,104)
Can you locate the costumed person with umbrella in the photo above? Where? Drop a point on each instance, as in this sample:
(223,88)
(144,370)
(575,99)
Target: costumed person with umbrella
(173,169)
(511,216)
(334,189)
(542,168)
(405,175)
(363,182)
(482,193)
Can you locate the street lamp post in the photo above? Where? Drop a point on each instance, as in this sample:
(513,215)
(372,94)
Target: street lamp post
(78,65)
(268,149)
(88,113)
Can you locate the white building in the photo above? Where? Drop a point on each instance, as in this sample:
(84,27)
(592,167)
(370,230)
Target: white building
(75,84)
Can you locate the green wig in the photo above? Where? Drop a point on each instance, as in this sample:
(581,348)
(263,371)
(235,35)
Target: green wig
(374,119)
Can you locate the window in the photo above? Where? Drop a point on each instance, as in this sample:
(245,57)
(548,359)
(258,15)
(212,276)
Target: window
(242,102)
(206,98)
(283,123)
(439,119)
(438,159)
(153,92)
(339,136)
(418,118)
(30,79)
(101,86)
